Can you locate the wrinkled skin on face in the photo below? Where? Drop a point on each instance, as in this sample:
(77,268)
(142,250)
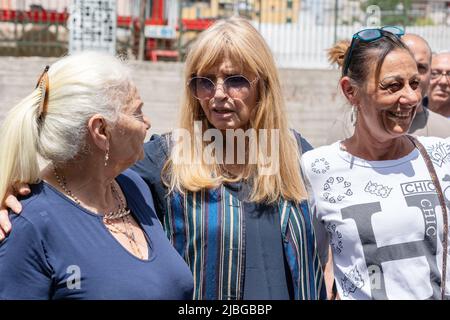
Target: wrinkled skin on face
(388,102)
(222,111)
(439,94)
(127,136)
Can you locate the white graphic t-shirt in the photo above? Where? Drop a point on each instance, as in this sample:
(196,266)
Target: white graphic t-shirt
(382,219)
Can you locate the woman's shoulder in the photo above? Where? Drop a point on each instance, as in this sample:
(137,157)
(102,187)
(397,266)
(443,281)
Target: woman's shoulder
(434,141)
(158,146)
(322,152)
(129,178)
(303,144)
(316,163)
(36,206)
(156,152)
(135,186)
(438,149)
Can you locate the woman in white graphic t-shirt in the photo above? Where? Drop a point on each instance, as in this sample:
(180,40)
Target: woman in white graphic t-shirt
(373,201)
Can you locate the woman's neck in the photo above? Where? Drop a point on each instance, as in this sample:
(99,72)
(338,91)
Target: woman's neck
(235,155)
(364,145)
(89,181)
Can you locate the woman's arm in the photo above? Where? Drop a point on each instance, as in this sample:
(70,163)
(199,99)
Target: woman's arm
(329,278)
(321,234)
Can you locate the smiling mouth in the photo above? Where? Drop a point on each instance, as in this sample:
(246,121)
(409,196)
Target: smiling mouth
(400,115)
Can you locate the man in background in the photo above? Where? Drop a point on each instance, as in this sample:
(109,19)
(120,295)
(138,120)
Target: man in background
(439,91)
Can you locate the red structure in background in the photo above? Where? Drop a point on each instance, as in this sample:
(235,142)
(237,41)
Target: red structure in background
(35,16)
(153,46)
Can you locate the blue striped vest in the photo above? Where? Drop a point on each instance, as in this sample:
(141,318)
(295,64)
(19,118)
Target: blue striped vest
(207,229)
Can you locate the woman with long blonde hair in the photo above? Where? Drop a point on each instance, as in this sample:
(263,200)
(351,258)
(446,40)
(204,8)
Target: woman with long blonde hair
(236,209)
(227,183)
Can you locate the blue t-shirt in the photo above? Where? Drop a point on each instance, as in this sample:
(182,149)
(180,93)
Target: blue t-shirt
(59,250)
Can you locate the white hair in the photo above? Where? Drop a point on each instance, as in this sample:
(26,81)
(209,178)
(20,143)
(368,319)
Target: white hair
(80,86)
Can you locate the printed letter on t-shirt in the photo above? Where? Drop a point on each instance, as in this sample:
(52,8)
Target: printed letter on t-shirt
(418,194)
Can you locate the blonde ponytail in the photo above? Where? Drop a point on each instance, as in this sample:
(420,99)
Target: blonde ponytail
(18,144)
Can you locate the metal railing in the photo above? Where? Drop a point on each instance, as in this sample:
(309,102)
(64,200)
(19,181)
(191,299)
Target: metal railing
(34,31)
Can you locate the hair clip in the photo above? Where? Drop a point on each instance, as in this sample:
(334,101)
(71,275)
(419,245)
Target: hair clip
(42,84)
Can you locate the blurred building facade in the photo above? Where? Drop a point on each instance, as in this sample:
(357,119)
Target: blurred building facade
(298,31)
(264,11)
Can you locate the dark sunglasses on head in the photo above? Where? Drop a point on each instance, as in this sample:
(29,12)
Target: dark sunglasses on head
(236,87)
(369,35)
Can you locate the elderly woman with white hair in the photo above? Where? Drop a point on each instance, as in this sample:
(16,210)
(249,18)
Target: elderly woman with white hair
(88,229)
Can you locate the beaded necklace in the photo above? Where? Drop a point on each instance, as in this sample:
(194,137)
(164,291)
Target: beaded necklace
(122,213)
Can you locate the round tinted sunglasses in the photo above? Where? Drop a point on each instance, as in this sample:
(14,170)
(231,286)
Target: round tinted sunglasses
(236,87)
(369,35)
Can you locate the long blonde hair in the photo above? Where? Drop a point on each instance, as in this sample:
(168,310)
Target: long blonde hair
(80,86)
(239,41)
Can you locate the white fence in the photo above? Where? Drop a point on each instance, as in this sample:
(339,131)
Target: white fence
(304,46)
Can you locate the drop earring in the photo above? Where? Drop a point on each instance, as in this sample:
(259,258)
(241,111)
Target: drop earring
(354,115)
(106,157)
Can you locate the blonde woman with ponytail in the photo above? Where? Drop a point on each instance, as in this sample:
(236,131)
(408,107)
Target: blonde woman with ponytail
(378,199)
(88,229)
